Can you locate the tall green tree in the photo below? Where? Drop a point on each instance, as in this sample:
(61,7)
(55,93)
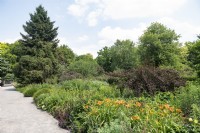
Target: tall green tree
(194,55)
(159,46)
(6,59)
(122,55)
(37,62)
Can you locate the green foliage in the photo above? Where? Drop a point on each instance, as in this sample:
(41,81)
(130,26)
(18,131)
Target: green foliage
(94,106)
(188,96)
(144,116)
(65,55)
(84,57)
(194,56)
(117,126)
(159,46)
(4,67)
(122,55)
(37,61)
(39,92)
(6,59)
(30,92)
(86,67)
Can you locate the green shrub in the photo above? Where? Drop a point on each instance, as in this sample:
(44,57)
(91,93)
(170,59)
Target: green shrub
(39,92)
(30,92)
(117,126)
(85,67)
(21,89)
(187,96)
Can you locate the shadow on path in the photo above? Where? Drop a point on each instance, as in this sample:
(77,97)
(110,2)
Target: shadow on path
(11,89)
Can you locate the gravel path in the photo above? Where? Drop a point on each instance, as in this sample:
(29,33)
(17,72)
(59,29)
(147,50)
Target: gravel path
(19,115)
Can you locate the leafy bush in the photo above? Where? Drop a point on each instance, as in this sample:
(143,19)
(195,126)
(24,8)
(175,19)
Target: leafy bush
(149,80)
(31,89)
(30,92)
(187,96)
(85,67)
(69,75)
(39,92)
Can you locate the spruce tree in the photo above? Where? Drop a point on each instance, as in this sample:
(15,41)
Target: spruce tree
(37,62)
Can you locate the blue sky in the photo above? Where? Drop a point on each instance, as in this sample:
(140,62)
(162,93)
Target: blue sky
(88,25)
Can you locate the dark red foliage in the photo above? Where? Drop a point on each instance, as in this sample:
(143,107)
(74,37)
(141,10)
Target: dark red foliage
(148,79)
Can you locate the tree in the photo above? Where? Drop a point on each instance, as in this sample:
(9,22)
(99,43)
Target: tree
(65,55)
(159,46)
(86,66)
(37,62)
(6,59)
(122,55)
(4,67)
(194,56)
(104,59)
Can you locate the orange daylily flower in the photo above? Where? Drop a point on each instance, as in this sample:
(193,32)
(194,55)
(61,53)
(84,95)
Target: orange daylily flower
(100,102)
(138,104)
(135,117)
(120,102)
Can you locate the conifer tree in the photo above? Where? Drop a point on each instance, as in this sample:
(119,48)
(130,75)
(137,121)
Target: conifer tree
(37,62)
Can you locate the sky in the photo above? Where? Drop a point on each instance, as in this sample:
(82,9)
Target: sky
(86,26)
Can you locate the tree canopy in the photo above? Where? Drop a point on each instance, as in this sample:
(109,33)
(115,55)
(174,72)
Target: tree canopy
(194,56)
(37,62)
(122,55)
(6,59)
(159,46)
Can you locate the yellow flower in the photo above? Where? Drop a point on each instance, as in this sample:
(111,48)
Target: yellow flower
(195,121)
(190,119)
(128,105)
(107,100)
(138,104)
(178,110)
(135,117)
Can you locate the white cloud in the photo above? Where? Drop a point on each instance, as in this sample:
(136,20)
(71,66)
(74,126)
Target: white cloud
(83,38)
(120,9)
(123,9)
(79,8)
(76,10)
(187,30)
(63,40)
(92,18)
(86,2)
(109,35)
